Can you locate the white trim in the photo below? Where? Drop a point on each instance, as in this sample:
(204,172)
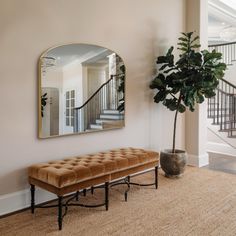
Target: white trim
(199,161)
(221,148)
(19,200)
(221,155)
(223,136)
(229,3)
(221,10)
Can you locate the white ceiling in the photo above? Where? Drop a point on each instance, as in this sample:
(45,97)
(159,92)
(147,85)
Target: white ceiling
(222,18)
(75,52)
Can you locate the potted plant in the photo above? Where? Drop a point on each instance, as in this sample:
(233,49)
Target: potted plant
(183,84)
(43,103)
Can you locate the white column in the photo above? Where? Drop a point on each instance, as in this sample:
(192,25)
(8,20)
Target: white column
(196,122)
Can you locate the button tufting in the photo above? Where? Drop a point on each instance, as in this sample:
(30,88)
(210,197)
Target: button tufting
(89,166)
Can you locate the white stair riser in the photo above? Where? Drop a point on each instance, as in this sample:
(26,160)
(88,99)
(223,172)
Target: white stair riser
(112,117)
(96,126)
(106,121)
(111,112)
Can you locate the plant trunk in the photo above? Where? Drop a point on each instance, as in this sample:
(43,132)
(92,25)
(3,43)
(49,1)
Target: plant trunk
(175,123)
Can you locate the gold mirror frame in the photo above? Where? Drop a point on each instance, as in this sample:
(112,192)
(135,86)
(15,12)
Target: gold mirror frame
(82,114)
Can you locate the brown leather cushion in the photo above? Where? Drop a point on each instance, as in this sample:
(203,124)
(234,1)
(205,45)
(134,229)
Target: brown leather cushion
(77,169)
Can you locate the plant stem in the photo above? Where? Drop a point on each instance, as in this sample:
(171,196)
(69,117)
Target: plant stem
(175,122)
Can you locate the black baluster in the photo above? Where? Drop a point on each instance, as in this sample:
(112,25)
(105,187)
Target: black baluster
(214,110)
(221,107)
(218,105)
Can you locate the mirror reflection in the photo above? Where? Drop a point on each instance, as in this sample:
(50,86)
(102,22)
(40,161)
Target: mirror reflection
(81,90)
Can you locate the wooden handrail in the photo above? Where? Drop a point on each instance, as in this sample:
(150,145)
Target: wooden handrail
(228,94)
(96,92)
(227,82)
(221,44)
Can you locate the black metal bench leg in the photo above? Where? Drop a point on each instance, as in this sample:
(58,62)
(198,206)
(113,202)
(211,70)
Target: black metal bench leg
(127,181)
(60,212)
(77,196)
(107,195)
(84,191)
(32,191)
(92,189)
(156,177)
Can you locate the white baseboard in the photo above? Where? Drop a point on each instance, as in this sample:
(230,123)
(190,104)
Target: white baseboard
(199,161)
(213,154)
(19,200)
(222,148)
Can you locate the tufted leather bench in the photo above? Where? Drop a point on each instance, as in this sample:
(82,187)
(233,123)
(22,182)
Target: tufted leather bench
(73,174)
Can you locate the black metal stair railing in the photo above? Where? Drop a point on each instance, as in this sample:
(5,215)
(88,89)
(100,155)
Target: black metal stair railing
(106,97)
(222,107)
(228,51)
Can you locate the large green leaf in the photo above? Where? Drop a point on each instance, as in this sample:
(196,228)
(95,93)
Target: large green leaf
(170,50)
(182,108)
(183,44)
(194,75)
(158,82)
(196,46)
(194,39)
(183,39)
(209,93)
(199,97)
(160,96)
(171,104)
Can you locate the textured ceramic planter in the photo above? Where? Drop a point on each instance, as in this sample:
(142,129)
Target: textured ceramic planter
(173,164)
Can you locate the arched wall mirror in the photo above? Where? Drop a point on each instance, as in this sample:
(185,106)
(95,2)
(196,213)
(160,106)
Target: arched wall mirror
(81,89)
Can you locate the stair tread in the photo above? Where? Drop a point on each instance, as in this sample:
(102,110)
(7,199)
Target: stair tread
(118,115)
(112,116)
(222,122)
(96,126)
(226,130)
(223,115)
(218,109)
(231,129)
(107,120)
(111,111)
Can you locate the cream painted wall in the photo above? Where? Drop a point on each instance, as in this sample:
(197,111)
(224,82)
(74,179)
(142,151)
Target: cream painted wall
(137,30)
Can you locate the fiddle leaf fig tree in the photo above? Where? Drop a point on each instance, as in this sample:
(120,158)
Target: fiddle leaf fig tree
(43,102)
(189,80)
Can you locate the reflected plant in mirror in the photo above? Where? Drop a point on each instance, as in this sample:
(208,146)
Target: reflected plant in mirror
(81,89)
(43,102)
